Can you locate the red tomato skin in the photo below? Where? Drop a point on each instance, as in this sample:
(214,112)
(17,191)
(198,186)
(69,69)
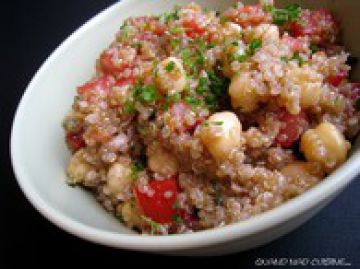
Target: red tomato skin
(75,141)
(336,80)
(317,24)
(293,127)
(160,206)
(125,81)
(107,62)
(102,83)
(192,29)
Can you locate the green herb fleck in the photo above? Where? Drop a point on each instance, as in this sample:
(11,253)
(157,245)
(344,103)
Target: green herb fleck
(129,107)
(192,100)
(176,30)
(254,45)
(177,219)
(144,93)
(202,86)
(125,30)
(217,84)
(174,42)
(155,227)
(298,58)
(175,97)
(199,58)
(223,20)
(171,16)
(284,59)
(314,48)
(283,15)
(170,66)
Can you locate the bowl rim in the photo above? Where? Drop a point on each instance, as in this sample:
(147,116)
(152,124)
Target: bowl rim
(236,231)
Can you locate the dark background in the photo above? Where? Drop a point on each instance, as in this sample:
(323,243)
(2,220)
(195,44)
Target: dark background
(32,30)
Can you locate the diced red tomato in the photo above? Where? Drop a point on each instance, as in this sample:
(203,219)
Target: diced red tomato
(125,81)
(295,44)
(248,15)
(98,86)
(319,25)
(193,29)
(111,61)
(159,203)
(292,127)
(75,141)
(336,80)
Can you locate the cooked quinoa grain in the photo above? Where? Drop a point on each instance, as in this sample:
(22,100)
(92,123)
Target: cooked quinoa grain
(196,119)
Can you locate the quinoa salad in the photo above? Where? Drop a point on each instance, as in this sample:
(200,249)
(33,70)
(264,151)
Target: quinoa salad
(196,119)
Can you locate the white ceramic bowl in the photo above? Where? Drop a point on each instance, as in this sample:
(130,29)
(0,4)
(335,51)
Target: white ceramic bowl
(39,154)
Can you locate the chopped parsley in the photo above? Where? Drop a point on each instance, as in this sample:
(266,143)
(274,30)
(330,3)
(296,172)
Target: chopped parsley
(177,219)
(199,57)
(223,20)
(218,195)
(129,107)
(125,30)
(155,227)
(175,97)
(170,66)
(217,84)
(298,58)
(254,45)
(202,86)
(136,168)
(186,57)
(173,16)
(314,48)
(176,30)
(174,42)
(216,123)
(145,94)
(192,100)
(281,16)
(284,59)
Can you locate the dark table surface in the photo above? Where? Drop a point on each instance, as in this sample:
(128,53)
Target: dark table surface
(33,29)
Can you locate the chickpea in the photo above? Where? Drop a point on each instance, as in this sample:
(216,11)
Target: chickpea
(161,161)
(221,134)
(326,145)
(118,178)
(309,83)
(77,168)
(171,76)
(242,94)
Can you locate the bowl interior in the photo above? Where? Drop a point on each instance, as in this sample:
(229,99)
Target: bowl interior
(39,152)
